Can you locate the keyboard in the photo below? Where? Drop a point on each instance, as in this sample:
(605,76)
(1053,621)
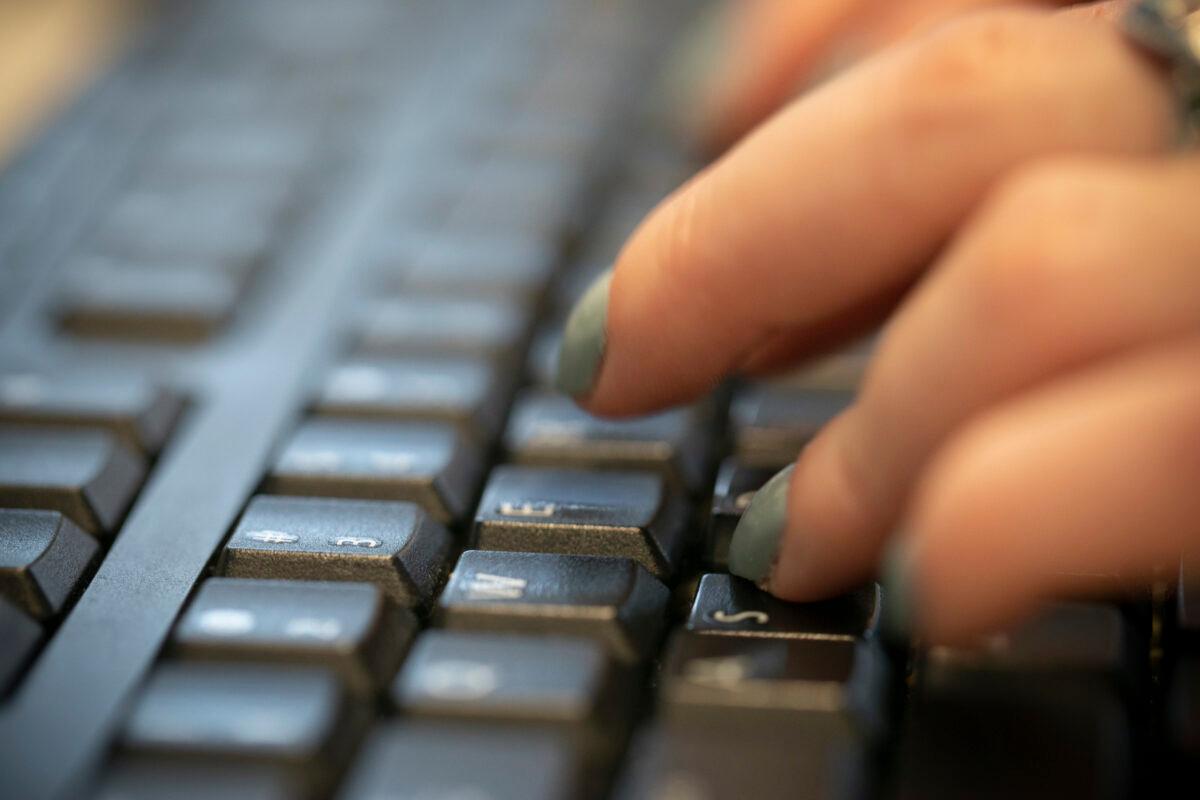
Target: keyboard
(289,510)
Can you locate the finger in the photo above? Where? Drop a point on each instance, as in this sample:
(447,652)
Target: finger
(847,195)
(775,48)
(769,47)
(1069,262)
(1095,474)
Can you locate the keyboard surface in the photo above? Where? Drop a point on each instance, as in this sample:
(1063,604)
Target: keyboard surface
(288,508)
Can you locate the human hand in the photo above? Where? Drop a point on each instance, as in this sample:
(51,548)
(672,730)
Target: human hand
(1032,411)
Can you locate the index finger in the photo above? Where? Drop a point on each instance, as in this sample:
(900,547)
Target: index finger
(845,197)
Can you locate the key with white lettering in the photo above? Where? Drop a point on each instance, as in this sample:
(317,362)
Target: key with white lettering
(437,761)
(348,627)
(565,682)
(726,605)
(428,463)
(634,514)
(613,600)
(838,685)
(394,545)
(297,719)
(468,392)
(551,430)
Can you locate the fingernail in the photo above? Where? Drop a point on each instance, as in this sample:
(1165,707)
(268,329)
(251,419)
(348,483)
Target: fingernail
(755,542)
(896,619)
(583,340)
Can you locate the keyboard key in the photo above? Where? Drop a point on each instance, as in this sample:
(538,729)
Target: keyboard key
(296,718)
(633,515)
(1069,638)
(85,474)
(735,488)
(507,678)
(21,637)
(395,546)
(468,392)
(1021,737)
(667,763)
(143,779)
(445,326)
(834,685)
(611,599)
(729,606)
(44,558)
(426,760)
(542,362)
(348,627)
(473,264)
(137,412)
(772,423)
(131,302)
(429,463)
(550,430)
(1183,710)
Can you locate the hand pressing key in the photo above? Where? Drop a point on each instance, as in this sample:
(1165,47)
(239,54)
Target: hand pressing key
(1009,184)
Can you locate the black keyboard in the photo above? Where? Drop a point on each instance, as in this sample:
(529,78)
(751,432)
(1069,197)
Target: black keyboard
(289,510)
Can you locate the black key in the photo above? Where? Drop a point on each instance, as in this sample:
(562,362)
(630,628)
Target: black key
(508,678)
(772,423)
(835,685)
(296,718)
(126,301)
(633,515)
(152,779)
(348,627)
(86,474)
(394,545)
(1067,638)
(427,463)
(735,488)
(611,599)
(667,763)
(445,326)
(1020,737)
(428,760)
(473,263)
(1183,710)
(21,637)
(136,411)
(729,606)
(44,558)
(551,430)
(468,392)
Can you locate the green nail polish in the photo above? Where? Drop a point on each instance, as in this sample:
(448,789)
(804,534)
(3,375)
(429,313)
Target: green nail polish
(755,542)
(584,338)
(895,579)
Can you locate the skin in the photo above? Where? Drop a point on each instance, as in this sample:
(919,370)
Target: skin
(1032,410)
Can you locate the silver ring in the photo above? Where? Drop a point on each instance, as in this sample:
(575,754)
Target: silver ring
(1170,29)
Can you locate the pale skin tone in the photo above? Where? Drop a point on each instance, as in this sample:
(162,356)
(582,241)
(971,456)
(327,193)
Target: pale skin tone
(1004,187)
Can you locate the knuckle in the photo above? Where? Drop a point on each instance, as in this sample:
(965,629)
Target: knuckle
(1037,250)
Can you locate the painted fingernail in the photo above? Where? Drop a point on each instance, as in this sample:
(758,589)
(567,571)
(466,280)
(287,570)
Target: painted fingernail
(583,341)
(896,619)
(755,542)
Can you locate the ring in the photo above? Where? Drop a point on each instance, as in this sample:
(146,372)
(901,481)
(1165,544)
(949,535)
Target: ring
(1170,29)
